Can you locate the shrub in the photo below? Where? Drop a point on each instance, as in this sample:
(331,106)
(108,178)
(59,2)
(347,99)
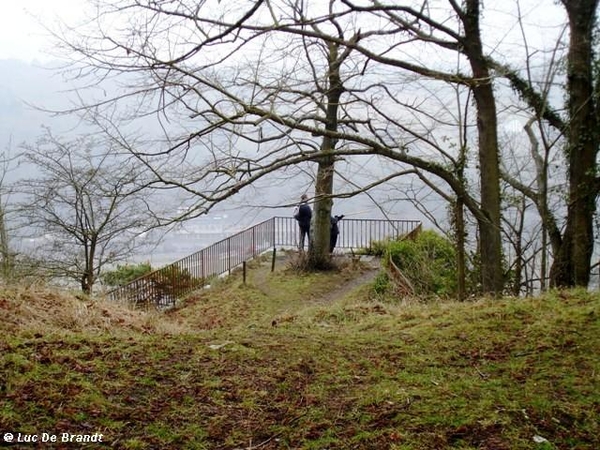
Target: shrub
(160,288)
(170,283)
(126,273)
(302,263)
(428,262)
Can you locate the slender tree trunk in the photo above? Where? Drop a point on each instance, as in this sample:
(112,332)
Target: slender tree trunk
(519,257)
(544,261)
(571,265)
(492,280)
(459,217)
(88,277)
(7,257)
(549,227)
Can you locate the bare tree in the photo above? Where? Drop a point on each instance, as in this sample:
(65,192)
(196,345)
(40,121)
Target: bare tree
(86,207)
(216,93)
(209,70)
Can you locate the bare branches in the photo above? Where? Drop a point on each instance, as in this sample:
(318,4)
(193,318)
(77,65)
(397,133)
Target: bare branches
(244,89)
(86,202)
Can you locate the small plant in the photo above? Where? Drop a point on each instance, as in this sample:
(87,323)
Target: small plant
(302,263)
(381,284)
(173,281)
(298,262)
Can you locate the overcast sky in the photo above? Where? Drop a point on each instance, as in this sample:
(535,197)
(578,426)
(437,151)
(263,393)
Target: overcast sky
(22,35)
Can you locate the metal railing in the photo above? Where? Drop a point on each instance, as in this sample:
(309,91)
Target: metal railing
(354,233)
(164,286)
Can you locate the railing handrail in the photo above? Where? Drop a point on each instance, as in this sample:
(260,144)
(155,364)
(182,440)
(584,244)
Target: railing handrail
(162,286)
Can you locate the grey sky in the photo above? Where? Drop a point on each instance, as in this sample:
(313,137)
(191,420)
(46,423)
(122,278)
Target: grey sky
(22,35)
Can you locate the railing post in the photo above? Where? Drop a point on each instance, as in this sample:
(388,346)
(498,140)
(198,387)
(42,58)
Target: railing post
(202,261)
(229,255)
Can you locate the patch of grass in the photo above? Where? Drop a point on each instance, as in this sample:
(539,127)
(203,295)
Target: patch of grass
(281,363)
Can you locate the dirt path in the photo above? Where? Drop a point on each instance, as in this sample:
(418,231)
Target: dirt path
(371,268)
(365,272)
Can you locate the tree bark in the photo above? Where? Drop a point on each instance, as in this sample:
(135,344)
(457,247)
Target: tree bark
(461,264)
(7,264)
(492,280)
(319,248)
(571,266)
(88,277)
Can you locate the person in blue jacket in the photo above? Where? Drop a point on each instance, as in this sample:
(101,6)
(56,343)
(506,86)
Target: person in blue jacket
(303,215)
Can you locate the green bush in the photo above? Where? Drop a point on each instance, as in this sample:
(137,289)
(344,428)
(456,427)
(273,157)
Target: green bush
(126,273)
(429,263)
(381,284)
(144,287)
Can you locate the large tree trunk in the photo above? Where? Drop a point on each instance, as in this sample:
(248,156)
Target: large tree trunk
(492,280)
(571,265)
(319,248)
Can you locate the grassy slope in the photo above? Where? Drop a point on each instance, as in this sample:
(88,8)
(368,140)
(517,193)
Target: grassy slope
(270,365)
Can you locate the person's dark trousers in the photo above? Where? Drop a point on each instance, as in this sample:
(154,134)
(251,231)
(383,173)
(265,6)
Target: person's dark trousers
(332,242)
(304,232)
